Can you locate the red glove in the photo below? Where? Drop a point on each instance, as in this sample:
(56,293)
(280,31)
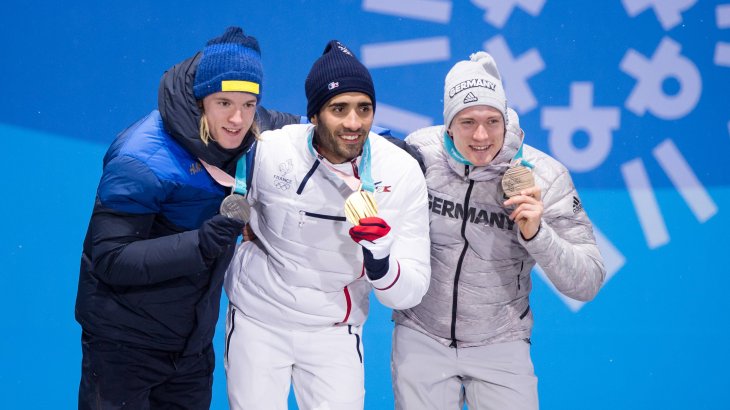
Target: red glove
(373,234)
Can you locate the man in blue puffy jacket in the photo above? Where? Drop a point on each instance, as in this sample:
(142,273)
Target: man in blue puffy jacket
(157,248)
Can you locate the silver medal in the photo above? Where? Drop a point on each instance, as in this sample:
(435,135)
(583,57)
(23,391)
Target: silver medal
(236,206)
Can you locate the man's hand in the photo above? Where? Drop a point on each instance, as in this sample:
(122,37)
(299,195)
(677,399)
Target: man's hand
(248,234)
(373,234)
(528,211)
(217,234)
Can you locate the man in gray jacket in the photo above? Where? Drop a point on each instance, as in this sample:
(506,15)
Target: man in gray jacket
(497,207)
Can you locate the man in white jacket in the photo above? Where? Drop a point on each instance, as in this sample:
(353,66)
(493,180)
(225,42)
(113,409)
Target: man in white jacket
(299,291)
(469,339)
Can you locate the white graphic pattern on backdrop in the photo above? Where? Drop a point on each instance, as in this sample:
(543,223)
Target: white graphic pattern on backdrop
(437,11)
(598,123)
(668,12)
(498,11)
(722,50)
(521,97)
(667,62)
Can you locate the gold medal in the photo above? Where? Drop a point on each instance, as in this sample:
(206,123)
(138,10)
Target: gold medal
(516,179)
(358,205)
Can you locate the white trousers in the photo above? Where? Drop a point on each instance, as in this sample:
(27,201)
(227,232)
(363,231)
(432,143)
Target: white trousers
(429,375)
(325,366)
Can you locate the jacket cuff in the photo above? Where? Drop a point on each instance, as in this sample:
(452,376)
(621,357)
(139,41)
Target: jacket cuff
(539,242)
(539,228)
(389,279)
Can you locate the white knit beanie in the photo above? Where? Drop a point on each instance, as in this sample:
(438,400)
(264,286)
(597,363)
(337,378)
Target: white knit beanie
(473,82)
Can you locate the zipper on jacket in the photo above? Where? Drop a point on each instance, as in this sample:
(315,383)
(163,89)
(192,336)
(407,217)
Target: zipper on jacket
(302,214)
(461,260)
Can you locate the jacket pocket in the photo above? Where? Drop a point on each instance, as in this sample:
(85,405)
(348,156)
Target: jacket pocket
(318,230)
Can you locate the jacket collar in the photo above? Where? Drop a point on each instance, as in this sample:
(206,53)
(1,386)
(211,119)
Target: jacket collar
(181,117)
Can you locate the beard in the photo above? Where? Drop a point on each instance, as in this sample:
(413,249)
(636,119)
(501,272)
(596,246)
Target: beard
(333,148)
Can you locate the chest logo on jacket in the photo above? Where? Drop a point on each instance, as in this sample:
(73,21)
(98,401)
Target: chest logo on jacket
(455,210)
(379,187)
(195,167)
(281,180)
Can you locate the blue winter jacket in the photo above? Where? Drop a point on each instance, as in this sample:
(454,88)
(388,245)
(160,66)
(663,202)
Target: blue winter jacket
(143,280)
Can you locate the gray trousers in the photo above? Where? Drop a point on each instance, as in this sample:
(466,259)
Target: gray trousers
(429,375)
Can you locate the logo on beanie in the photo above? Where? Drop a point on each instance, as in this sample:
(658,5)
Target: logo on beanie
(470,98)
(333,85)
(344,49)
(477,82)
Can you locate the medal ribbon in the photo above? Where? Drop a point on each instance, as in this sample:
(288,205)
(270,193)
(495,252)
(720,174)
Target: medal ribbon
(522,161)
(239,184)
(451,149)
(363,168)
(241,172)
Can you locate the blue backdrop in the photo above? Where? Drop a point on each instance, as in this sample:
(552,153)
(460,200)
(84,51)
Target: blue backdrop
(630,94)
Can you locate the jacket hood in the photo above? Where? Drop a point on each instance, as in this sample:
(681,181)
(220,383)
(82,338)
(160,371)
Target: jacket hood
(181,117)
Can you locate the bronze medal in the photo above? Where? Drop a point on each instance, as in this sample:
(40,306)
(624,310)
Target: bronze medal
(516,179)
(236,206)
(360,204)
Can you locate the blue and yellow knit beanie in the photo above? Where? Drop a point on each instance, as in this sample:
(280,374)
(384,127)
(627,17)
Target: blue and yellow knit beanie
(231,62)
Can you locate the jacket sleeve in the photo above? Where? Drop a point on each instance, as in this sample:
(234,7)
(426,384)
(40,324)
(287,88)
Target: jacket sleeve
(565,246)
(122,252)
(273,120)
(410,266)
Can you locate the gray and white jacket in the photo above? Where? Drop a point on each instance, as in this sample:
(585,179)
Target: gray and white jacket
(480,263)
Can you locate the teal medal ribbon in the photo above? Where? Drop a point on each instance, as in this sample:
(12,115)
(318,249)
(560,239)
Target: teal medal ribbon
(364,167)
(240,187)
(451,149)
(519,159)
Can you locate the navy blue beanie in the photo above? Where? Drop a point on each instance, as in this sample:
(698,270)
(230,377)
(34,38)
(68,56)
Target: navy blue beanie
(231,62)
(337,71)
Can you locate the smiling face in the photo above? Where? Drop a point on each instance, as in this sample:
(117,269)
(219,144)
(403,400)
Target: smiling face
(478,133)
(230,115)
(343,125)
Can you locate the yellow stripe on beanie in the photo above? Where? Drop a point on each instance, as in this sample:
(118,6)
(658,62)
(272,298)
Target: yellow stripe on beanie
(236,85)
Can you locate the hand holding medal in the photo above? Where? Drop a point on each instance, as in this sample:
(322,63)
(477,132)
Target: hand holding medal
(519,186)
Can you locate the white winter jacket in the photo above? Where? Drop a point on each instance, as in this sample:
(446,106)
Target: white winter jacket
(304,270)
(480,280)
